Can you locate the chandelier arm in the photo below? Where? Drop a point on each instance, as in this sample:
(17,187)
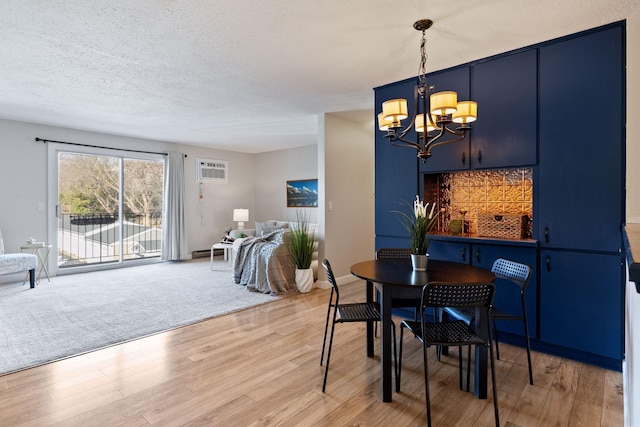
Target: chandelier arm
(455,132)
(437,142)
(411,124)
(398,141)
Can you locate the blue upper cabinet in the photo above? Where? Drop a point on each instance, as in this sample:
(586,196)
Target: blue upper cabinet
(580,182)
(454,156)
(505,134)
(396,168)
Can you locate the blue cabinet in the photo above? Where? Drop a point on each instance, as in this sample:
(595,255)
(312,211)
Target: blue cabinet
(505,134)
(454,156)
(396,172)
(450,251)
(581,300)
(580,187)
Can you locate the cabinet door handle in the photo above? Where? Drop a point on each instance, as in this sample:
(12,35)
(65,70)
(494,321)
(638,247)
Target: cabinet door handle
(548,263)
(478,255)
(546,234)
(479,157)
(463,254)
(464,159)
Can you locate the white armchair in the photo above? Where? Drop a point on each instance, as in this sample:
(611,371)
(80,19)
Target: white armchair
(18,262)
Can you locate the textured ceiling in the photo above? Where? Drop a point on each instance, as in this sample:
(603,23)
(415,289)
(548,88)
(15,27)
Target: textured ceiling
(246,75)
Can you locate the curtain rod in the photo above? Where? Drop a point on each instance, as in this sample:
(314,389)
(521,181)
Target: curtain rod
(99,146)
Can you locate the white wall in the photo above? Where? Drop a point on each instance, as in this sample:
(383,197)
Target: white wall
(346,163)
(272,171)
(23,182)
(631,366)
(633,120)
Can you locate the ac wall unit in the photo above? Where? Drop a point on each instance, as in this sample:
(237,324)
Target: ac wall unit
(212,170)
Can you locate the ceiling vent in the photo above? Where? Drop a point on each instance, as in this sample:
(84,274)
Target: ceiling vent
(212,171)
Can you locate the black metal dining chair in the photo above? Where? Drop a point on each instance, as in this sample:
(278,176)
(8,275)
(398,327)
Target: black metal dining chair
(344,313)
(450,333)
(403,301)
(513,273)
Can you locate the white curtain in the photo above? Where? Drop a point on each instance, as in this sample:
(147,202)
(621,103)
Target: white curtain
(174,224)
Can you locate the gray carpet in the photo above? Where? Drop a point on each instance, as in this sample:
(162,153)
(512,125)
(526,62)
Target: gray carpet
(83,312)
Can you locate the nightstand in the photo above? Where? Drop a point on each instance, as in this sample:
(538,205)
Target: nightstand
(227,251)
(41,250)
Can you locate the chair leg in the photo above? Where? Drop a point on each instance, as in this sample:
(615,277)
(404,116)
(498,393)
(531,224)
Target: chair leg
(460,366)
(495,338)
(326,327)
(468,367)
(443,350)
(395,355)
(526,337)
(426,382)
(493,385)
(326,368)
(399,360)
(32,278)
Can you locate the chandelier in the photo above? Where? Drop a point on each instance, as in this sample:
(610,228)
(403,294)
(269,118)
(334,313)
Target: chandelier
(438,112)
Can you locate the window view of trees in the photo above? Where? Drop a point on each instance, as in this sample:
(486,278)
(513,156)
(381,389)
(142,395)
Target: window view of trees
(89,184)
(90,229)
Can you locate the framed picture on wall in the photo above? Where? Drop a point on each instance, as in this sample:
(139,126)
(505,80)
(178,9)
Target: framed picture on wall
(302,193)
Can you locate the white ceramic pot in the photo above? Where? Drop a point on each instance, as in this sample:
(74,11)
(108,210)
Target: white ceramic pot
(304,279)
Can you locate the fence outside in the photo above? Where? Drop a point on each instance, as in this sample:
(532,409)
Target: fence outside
(97,238)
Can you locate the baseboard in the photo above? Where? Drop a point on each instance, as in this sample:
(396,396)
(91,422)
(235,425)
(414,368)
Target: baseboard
(324,284)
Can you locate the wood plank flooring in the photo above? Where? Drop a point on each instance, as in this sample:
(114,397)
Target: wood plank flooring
(260,366)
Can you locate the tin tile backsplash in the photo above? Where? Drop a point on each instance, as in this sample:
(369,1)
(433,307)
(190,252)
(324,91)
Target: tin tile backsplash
(502,191)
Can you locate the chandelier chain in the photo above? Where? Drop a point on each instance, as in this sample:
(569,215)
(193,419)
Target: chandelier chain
(422,71)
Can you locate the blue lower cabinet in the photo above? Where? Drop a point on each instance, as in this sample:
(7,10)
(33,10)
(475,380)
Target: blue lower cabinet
(449,251)
(581,304)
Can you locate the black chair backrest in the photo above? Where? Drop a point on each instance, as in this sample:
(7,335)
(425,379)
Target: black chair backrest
(513,271)
(457,295)
(393,253)
(332,279)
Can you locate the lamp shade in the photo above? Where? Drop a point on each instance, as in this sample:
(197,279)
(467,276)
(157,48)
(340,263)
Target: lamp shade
(382,123)
(241,215)
(444,103)
(467,112)
(395,110)
(420,123)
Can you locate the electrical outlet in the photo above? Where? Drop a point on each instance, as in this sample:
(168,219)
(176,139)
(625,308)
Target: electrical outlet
(40,206)
(330,206)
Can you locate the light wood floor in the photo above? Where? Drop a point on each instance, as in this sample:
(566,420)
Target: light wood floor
(261,366)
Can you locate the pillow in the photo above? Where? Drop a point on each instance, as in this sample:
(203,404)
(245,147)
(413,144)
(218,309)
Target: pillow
(263,228)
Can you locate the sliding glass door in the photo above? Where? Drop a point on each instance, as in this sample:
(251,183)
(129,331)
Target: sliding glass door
(108,206)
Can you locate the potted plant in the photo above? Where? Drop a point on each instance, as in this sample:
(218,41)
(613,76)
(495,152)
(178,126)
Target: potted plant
(301,248)
(418,224)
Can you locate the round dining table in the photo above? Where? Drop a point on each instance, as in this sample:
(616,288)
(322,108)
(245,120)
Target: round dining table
(396,278)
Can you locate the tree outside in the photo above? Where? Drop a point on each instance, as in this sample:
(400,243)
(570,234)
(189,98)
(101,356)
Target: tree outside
(88,185)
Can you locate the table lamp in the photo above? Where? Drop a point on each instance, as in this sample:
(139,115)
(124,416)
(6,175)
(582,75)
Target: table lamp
(240,216)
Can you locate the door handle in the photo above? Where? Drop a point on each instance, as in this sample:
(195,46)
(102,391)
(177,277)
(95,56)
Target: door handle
(548,263)
(479,157)
(464,159)
(546,234)
(478,255)
(463,254)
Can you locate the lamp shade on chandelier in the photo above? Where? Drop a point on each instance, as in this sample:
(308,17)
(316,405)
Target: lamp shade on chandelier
(438,110)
